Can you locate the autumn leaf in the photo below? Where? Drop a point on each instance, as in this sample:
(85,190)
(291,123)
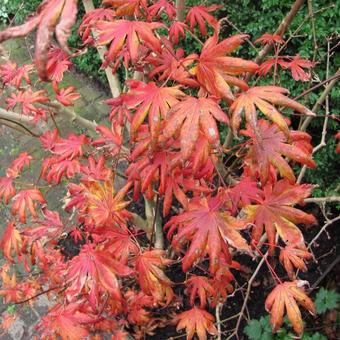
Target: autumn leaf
(209,231)
(17,165)
(199,286)
(267,38)
(7,189)
(53,16)
(93,270)
(293,258)
(149,99)
(264,98)
(297,66)
(127,33)
(67,95)
(276,214)
(24,200)
(126,7)
(200,15)
(196,320)
(95,170)
(216,72)
(11,74)
(70,148)
(58,168)
(58,62)
(267,146)
(267,65)
(286,296)
(162,6)
(337,136)
(177,31)
(152,280)
(11,241)
(191,115)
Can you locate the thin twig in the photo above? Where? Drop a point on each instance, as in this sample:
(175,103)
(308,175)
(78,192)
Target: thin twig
(218,320)
(318,200)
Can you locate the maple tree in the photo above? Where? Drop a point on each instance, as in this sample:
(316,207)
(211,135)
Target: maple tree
(164,133)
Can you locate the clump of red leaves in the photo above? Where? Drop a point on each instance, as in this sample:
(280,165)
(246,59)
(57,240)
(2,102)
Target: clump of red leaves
(116,281)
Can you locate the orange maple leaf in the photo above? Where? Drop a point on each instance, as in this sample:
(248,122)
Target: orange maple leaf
(199,286)
(7,189)
(215,71)
(152,279)
(285,296)
(276,214)
(191,115)
(264,98)
(197,320)
(11,240)
(209,230)
(267,146)
(25,200)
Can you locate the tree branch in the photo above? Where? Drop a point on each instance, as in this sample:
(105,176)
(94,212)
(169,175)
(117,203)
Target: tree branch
(327,199)
(180,6)
(113,80)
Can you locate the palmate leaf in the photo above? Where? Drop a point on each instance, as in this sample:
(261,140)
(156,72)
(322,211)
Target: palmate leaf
(7,189)
(297,65)
(196,320)
(11,74)
(11,241)
(149,99)
(209,231)
(126,7)
(276,214)
(95,271)
(24,200)
(285,296)
(152,280)
(199,286)
(127,33)
(264,98)
(215,71)
(192,115)
(267,146)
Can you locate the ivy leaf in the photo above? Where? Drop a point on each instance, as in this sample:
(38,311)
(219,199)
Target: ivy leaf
(259,329)
(326,300)
(285,296)
(197,320)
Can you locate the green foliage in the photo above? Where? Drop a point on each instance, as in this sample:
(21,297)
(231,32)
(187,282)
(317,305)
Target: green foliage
(326,300)
(261,330)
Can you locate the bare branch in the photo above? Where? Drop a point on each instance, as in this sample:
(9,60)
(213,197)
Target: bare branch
(180,6)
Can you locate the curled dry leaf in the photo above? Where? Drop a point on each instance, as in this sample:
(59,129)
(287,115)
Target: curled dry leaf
(287,296)
(53,16)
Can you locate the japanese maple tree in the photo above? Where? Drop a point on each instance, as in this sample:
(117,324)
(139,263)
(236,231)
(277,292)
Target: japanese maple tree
(162,135)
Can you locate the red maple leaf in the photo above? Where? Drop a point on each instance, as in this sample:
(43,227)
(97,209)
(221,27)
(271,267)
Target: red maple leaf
(27,100)
(276,214)
(95,170)
(215,71)
(11,74)
(11,241)
(297,65)
(285,296)
(25,200)
(196,320)
(267,38)
(209,231)
(191,115)
(199,286)
(199,15)
(14,170)
(292,257)
(89,21)
(94,270)
(267,146)
(177,30)
(264,98)
(162,6)
(7,189)
(149,99)
(152,280)
(67,95)
(57,64)
(267,65)
(337,136)
(70,148)
(127,33)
